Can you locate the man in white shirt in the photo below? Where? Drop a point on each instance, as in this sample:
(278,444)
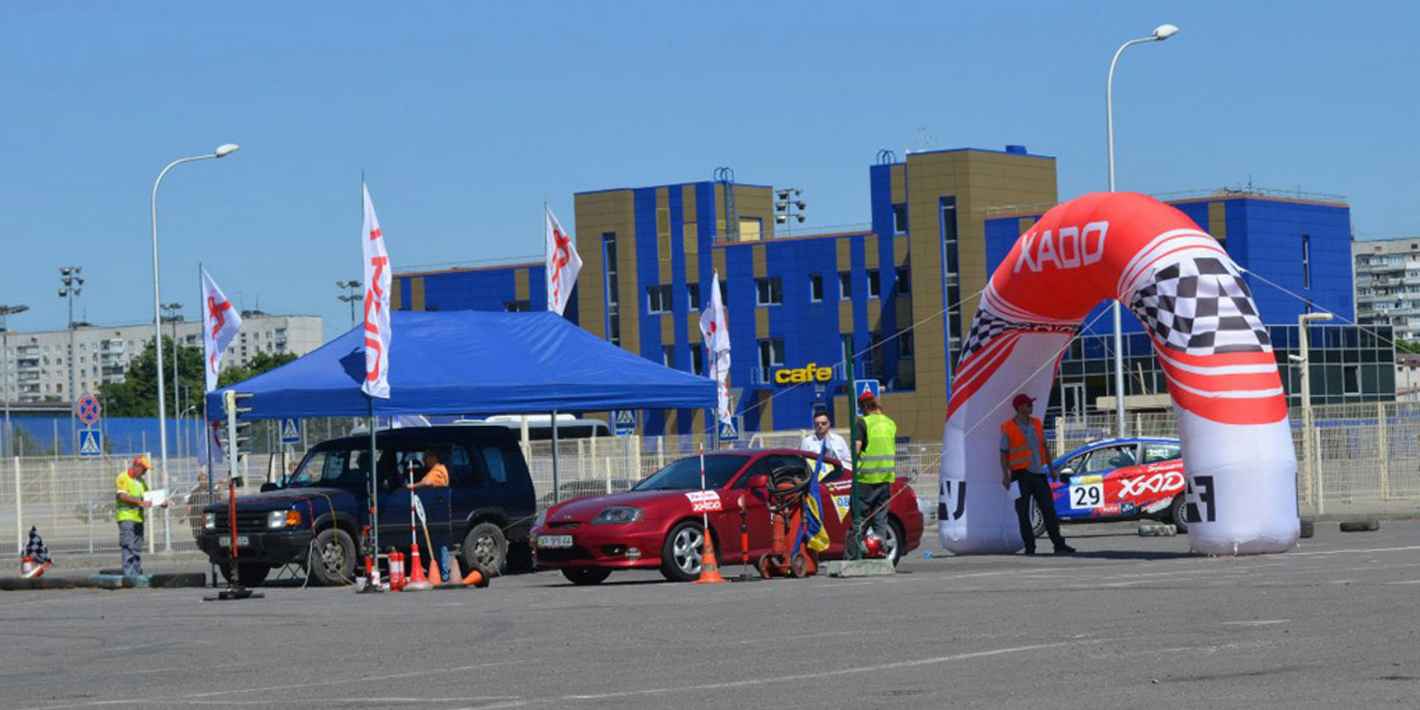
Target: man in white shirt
(837,447)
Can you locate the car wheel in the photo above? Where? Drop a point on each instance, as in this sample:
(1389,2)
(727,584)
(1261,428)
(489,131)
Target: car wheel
(251,574)
(1178,514)
(892,544)
(485,546)
(332,557)
(681,552)
(1037,520)
(582,576)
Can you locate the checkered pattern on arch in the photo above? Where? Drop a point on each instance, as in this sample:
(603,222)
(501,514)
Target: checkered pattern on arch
(1201,306)
(984,327)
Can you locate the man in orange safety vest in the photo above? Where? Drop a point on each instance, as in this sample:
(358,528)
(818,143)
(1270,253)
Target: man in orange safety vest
(1025,461)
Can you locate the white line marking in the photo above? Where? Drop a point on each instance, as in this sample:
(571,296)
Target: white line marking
(824,674)
(1407,581)
(1259,622)
(1353,549)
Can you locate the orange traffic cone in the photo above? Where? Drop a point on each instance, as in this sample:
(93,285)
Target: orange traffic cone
(417,582)
(476,578)
(709,567)
(434,578)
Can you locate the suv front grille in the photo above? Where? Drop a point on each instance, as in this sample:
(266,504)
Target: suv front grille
(247,522)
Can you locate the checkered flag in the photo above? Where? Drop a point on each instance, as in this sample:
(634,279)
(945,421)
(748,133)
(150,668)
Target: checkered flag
(1201,306)
(35,549)
(985,326)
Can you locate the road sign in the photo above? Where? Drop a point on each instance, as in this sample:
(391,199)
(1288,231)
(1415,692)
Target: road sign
(290,431)
(88,410)
(728,431)
(865,386)
(91,442)
(623,422)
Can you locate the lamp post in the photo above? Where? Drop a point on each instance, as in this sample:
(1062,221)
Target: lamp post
(1309,451)
(222,151)
(789,207)
(1161,33)
(5,313)
(351,296)
(72,286)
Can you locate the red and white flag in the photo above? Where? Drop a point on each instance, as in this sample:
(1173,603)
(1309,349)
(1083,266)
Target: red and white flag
(715,330)
(377,304)
(220,323)
(563,264)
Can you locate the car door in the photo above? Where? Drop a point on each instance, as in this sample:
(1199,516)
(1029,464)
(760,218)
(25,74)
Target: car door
(1086,494)
(1158,477)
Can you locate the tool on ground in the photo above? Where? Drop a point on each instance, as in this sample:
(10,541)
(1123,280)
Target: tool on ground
(435,578)
(784,495)
(709,566)
(234,591)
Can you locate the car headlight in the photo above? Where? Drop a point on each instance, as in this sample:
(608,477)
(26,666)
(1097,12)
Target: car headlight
(277,519)
(617,515)
(209,521)
(540,520)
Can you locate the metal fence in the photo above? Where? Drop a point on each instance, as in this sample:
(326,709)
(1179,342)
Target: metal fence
(1352,460)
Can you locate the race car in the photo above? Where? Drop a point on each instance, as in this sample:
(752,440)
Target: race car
(1119,479)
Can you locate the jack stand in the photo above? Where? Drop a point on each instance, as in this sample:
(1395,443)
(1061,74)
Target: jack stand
(235,592)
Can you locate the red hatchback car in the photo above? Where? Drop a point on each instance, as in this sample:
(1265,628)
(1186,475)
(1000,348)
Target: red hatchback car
(657,524)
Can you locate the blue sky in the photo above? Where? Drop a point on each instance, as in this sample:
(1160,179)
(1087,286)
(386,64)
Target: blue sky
(466,116)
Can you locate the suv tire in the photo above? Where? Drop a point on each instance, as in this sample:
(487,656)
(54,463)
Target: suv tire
(486,547)
(332,558)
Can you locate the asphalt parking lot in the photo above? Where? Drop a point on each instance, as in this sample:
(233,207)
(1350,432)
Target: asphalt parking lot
(1130,622)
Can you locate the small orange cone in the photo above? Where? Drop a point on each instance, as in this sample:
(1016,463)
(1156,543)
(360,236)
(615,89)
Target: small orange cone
(434,578)
(476,578)
(417,582)
(455,574)
(709,567)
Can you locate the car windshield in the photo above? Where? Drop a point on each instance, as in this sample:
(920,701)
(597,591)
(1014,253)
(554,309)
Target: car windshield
(684,475)
(329,468)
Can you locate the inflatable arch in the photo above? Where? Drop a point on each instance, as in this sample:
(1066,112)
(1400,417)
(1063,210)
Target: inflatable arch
(1199,313)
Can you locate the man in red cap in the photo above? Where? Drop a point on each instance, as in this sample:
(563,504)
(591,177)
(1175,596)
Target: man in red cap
(1025,461)
(877,468)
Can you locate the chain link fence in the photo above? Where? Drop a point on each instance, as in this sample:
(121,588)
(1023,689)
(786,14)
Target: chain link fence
(1352,460)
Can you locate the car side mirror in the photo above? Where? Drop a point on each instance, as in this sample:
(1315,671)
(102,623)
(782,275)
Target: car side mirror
(758,481)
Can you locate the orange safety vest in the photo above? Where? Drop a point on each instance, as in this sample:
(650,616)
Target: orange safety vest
(1018,455)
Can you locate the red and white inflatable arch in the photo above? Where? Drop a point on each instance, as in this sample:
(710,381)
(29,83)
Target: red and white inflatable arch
(1237,443)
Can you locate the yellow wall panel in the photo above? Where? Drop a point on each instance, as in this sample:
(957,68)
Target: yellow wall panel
(1218,220)
(761,322)
(396,299)
(870,251)
(761,267)
(520,284)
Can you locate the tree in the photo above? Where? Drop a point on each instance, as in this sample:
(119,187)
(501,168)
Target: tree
(137,395)
(1408,346)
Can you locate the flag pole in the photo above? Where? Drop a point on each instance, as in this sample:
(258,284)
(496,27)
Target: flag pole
(206,421)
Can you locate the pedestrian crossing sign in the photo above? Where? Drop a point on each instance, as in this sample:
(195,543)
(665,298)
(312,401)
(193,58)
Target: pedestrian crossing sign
(91,442)
(290,431)
(728,431)
(623,422)
(865,386)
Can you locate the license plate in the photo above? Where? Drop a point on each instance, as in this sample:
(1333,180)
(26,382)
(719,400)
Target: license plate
(226,541)
(554,542)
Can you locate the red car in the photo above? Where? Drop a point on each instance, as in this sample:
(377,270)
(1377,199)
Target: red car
(657,524)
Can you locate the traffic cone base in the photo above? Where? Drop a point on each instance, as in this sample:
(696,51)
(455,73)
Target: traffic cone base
(709,567)
(417,582)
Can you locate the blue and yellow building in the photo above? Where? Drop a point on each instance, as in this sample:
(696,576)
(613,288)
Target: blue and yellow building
(940,221)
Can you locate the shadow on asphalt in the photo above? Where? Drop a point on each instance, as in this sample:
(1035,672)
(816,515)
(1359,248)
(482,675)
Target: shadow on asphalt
(1133,555)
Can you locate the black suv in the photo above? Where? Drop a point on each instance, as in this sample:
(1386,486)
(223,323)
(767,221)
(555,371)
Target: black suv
(321,508)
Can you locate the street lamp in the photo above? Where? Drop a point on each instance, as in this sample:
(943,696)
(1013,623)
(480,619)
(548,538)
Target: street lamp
(1304,362)
(351,296)
(222,151)
(72,286)
(788,207)
(1161,33)
(6,311)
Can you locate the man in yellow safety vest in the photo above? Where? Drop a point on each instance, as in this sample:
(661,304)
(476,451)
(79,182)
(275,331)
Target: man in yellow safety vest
(128,511)
(877,466)
(1025,461)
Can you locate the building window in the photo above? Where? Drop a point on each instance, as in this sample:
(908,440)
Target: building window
(658,299)
(1351,379)
(904,280)
(845,286)
(518,306)
(771,354)
(751,229)
(905,344)
(1306,261)
(692,294)
(875,284)
(611,288)
(769,291)
(697,358)
(951,277)
(899,219)
(815,288)
(668,355)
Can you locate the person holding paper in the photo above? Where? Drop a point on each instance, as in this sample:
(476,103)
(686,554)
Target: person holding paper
(129,502)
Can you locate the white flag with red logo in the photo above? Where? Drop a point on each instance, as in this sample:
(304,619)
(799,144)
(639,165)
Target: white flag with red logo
(377,304)
(220,323)
(563,264)
(715,329)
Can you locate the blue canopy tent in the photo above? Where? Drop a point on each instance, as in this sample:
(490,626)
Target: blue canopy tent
(471,363)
